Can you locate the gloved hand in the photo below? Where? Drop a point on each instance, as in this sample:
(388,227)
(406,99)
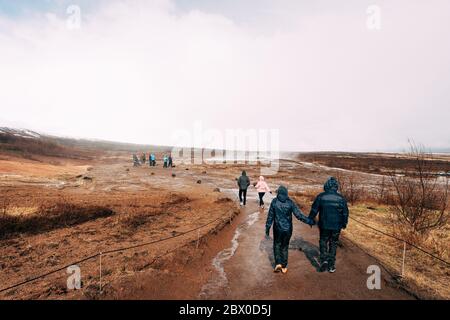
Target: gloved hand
(267,234)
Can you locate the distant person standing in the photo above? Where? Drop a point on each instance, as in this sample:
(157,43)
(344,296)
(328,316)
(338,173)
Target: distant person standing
(243,183)
(170,161)
(165,161)
(135,161)
(152,160)
(143,158)
(262,188)
(333,216)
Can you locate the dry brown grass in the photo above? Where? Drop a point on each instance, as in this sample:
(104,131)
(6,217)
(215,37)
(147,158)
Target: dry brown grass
(138,214)
(304,199)
(138,217)
(48,217)
(423,275)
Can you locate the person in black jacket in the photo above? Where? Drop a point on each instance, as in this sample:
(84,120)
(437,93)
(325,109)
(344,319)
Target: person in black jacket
(333,216)
(243,183)
(280,215)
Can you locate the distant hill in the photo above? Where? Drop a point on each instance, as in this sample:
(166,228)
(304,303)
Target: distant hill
(26,143)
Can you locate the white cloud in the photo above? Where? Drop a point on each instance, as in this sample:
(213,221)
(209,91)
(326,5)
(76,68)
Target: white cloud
(138,70)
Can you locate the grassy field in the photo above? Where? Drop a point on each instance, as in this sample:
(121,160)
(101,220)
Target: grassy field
(425,275)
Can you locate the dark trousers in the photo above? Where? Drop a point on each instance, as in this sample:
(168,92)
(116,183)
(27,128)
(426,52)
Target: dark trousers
(243,195)
(261,196)
(281,246)
(328,244)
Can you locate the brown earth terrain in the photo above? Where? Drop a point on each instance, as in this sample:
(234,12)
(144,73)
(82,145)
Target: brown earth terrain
(131,205)
(378,163)
(58,210)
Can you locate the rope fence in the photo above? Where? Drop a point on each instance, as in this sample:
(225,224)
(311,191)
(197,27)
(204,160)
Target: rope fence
(402,240)
(100,254)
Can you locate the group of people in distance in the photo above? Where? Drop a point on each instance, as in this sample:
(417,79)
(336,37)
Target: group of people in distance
(167,160)
(330,206)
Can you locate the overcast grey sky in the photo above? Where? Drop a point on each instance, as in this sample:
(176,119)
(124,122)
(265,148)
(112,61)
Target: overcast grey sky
(137,71)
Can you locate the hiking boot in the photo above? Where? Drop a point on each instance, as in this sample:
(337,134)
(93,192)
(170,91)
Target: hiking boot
(278,268)
(323,267)
(284,270)
(331,269)
(241,204)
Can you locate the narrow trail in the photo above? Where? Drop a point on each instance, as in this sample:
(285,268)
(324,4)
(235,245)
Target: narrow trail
(244,269)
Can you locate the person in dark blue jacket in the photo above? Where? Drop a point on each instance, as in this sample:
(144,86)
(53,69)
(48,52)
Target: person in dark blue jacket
(333,216)
(280,215)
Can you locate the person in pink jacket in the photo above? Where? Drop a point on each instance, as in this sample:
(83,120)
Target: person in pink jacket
(262,188)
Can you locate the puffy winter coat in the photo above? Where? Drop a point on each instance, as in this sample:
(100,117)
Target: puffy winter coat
(262,186)
(243,181)
(280,212)
(331,207)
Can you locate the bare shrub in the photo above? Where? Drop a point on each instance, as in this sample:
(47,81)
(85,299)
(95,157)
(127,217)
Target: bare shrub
(420,198)
(384,192)
(350,188)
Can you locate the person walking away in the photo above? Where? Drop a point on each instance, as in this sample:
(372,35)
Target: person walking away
(280,215)
(243,183)
(333,216)
(262,188)
(170,161)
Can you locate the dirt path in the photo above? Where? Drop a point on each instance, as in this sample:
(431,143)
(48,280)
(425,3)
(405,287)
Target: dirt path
(244,269)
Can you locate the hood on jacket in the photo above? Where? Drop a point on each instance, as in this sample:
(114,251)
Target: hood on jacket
(244,173)
(261,178)
(282,193)
(331,185)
